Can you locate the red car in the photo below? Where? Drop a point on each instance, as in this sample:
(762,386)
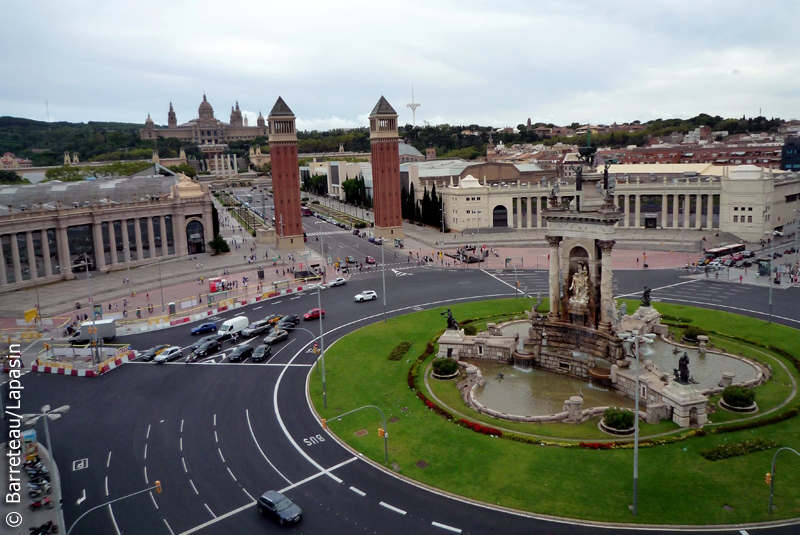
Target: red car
(313,314)
(738,257)
(369,260)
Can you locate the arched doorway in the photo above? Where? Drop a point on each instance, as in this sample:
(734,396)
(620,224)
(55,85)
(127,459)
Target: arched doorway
(500,216)
(195,237)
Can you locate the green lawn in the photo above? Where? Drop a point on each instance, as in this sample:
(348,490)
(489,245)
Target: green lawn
(676,484)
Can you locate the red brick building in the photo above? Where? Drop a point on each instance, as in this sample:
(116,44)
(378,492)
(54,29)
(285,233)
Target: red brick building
(285,179)
(386,184)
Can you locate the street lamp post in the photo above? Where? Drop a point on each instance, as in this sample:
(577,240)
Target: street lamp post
(647,338)
(385,430)
(516,281)
(774,233)
(47,414)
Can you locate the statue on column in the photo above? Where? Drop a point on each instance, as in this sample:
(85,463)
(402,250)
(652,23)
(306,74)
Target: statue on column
(580,287)
(646,297)
(451,321)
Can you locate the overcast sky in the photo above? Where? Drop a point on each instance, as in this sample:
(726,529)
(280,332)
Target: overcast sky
(490,63)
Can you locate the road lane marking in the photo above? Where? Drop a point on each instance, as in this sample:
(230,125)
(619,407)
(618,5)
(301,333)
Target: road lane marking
(210,511)
(153,498)
(256,308)
(216,438)
(145,451)
(169,528)
(181,426)
(146,481)
(393,508)
(217,519)
(114,520)
(193,487)
(148,431)
(445,526)
(321,472)
(359,492)
(82,498)
(248,494)
(220,455)
(247,415)
(215,420)
(233,476)
(276,303)
(106,485)
(181,442)
(634,294)
(108,462)
(184,464)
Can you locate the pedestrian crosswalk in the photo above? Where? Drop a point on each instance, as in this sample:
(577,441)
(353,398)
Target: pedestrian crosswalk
(328,233)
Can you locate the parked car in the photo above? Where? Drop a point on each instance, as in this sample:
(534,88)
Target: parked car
(313,314)
(276,336)
(737,257)
(349,259)
(203,340)
(371,239)
(256,328)
(356,232)
(378,241)
(746,264)
(208,348)
(366,295)
(262,352)
(275,505)
(151,353)
(205,328)
(338,281)
(171,353)
(748,254)
(240,353)
(369,260)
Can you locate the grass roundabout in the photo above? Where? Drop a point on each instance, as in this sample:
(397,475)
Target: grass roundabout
(541,468)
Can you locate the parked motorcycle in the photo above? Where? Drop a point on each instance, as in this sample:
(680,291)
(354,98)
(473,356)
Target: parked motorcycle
(45,529)
(41,503)
(39,492)
(41,485)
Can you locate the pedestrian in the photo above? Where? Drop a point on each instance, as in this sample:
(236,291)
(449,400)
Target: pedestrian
(139,312)
(740,279)
(109,307)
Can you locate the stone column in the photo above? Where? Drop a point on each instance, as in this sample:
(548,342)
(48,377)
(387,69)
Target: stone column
(31,255)
(606,283)
(97,237)
(48,266)
(710,220)
(64,260)
(3,274)
(686,207)
(235,165)
(625,206)
(637,212)
(553,241)
(137,235)
(664,201)
(150,238)
(112,245)
(164,245)
(539,212)
(698,220)
(126,241)
(15,258)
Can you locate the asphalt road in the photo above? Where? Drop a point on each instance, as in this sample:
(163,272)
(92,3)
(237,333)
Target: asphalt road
(218,435)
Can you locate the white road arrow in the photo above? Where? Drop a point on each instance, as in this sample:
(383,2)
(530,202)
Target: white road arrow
(399,273)
(80,500)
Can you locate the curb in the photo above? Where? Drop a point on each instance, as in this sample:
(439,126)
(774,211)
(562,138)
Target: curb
(118,361)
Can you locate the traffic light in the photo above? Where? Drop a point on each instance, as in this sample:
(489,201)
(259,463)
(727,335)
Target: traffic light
(324,423)
(46,346)
(381,432)
(768,479)
(517,284)
(158,487)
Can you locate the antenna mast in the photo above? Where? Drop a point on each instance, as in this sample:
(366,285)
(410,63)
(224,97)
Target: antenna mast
(413,105)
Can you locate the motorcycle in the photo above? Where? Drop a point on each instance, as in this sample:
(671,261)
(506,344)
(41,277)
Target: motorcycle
(39,492)
(41,503)
(44,485)
(43,473)
(44,529)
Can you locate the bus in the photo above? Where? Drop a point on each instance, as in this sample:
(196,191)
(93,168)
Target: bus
(725,250)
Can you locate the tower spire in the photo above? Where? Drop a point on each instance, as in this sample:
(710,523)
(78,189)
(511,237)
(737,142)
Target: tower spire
(413,105)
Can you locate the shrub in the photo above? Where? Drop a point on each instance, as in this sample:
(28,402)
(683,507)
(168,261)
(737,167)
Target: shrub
(399,350)
(736,396)
(470,330)
(617,418)
(751,424)
(735,449)
(480,428)
(360,225)
(434,407)
(692,332)
(315,202)
(219,245)
(444,366)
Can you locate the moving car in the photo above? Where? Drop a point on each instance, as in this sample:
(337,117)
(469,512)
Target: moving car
(207,348)
(256,328)
(151,353)
(366,295)
(171,353)
(205,328)
(378,241)
(313,314)
(240,352)
(274,504)
(276,336)
(369,260)
(338,281)
(262,352)
(349,259)
(290,318)
(203,340)
(273,318)
(285,325)
(233,325)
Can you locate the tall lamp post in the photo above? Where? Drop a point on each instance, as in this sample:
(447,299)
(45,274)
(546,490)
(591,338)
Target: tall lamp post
(774,233)
(47,414)
(635,338)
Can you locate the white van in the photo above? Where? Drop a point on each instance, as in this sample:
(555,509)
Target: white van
(233,325)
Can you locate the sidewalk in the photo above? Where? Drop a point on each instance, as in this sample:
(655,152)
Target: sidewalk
(21,512)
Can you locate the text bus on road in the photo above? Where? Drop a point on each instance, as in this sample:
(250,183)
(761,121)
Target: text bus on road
(725,250)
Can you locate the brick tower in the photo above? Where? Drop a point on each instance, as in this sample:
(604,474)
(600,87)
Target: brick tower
(385,171)
(285,180)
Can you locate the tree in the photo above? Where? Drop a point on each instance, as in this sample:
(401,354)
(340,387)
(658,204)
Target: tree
(65,173)
(10,177)
(266,168)
(184,168)
(219,245)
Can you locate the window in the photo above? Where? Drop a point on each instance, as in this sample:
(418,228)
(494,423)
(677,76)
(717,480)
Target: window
(736,219)
(749,219)
(735,208)
(749,208)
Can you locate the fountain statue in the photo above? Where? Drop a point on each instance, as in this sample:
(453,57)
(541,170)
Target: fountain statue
(682,373)
(451,321)
(580,287)
(646,297)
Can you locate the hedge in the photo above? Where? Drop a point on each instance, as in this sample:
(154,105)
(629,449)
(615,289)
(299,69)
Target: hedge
(734,449)
(399,350)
